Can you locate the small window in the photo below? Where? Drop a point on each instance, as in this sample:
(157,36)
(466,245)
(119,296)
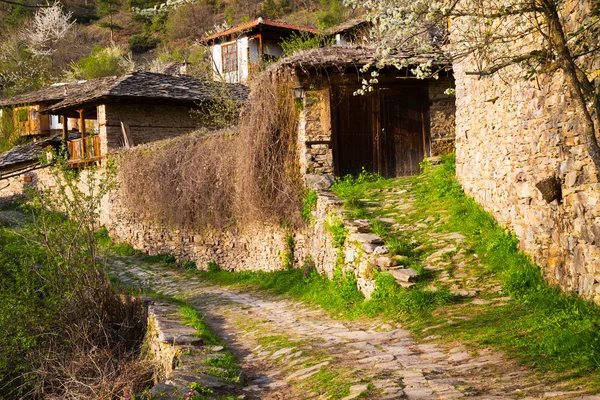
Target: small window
(60,119)
(229,57)
(32,114)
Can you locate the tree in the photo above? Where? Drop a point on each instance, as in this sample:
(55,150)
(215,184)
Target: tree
(110,8)
(48,27)
(543,36)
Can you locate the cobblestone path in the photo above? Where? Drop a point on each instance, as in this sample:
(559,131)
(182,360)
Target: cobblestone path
(291,350)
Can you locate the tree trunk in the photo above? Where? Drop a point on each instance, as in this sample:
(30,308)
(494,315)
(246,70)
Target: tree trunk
(576,87)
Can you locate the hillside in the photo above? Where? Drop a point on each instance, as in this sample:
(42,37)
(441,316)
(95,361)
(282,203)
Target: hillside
(93,38)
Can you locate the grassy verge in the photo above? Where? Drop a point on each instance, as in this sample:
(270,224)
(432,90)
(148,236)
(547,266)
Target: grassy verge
(544,327)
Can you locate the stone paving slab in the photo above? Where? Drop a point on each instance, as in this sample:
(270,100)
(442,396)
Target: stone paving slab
(379,353)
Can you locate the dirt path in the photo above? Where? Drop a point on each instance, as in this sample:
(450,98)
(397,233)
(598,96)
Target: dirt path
(290,350)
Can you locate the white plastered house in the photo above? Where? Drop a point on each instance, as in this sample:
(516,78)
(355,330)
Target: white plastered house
(241,50)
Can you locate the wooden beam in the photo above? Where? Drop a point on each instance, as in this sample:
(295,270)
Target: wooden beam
(127,138)
(82,129)
(65,131)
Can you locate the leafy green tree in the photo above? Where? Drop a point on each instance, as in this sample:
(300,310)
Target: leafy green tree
(109,8)
(331,13)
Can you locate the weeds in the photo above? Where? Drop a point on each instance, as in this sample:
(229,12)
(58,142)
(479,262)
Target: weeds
(309,203)
(288,256)
(121,249)
(67,332)
(335,226)
(213,266)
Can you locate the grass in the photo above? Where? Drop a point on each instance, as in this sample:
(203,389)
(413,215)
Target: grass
(554,330)
(106,242)
(541,325)
(340,296)
(224,367)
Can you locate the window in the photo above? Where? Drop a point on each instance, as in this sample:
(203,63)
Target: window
(229,57)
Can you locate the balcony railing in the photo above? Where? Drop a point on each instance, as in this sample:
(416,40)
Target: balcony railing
(78,153)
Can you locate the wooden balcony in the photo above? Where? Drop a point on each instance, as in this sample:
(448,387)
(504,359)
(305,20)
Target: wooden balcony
(85,150)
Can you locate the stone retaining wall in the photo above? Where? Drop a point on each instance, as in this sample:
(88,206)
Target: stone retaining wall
(261,247)
(179,354)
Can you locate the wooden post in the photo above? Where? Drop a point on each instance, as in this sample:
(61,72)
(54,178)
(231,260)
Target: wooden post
(65,130)
(82,129)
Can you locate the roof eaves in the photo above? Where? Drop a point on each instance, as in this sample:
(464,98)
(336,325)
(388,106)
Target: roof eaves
(255,23)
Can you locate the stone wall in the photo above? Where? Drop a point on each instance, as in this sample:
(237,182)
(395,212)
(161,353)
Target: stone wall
(441,116)
(258,247)
(509,137)
(147,123)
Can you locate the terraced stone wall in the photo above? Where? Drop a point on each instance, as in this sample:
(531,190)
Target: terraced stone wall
(512,134)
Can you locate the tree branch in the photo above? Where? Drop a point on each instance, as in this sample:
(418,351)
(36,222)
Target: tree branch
(511,61)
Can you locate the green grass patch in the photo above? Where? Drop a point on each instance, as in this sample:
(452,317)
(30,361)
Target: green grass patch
(106,242)
(194,319)
(340,296)
(554,330)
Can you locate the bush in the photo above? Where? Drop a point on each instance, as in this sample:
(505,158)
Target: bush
(304,41)
(108,61)
(66,331)
(221,180)
(141,43)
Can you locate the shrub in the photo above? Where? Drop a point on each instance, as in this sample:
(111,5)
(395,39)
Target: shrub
(107,61)
(223,179)
(66,332)
(142,42)
(304,41)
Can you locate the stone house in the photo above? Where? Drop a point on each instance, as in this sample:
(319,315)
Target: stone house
(137,108)
(240,51)
(388,131)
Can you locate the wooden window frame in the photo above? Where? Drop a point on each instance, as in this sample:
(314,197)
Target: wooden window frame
(229,57)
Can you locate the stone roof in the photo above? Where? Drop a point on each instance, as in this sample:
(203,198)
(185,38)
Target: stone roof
(346,56)
(354,23)
(28,155)
(257,23)
(141,86)
(51,94)
(19,156)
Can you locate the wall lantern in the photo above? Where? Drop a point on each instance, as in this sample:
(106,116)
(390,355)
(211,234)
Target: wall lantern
(299,93)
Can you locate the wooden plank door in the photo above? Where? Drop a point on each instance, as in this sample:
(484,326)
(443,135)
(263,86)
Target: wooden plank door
(404,131)
(354,133)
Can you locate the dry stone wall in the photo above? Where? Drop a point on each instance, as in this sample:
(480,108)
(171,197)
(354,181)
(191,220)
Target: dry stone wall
(510,137)
(258,247)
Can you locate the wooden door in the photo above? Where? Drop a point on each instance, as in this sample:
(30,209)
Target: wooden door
(404,131)
(384,131)
(354,133)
